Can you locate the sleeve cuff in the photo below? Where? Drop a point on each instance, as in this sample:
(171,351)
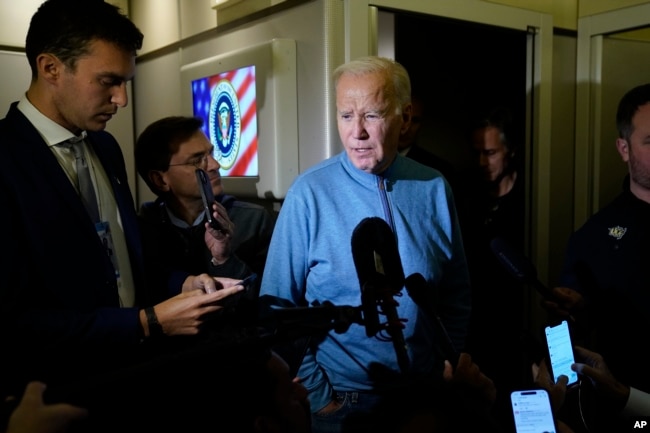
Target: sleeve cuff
(638,404)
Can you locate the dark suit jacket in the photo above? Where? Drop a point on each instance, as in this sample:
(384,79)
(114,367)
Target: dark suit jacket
(60,318)
(427,158)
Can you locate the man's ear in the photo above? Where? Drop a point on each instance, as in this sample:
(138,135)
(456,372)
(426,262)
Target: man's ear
(623,148)
(156,177)
(49,66)
(406,117)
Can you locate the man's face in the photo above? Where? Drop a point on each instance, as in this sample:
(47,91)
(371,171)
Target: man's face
(368,123)
(180,179)
(636,152)
(87,98)
(493,155)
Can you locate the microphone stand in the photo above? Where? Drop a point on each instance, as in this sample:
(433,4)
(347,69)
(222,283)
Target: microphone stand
(290,323)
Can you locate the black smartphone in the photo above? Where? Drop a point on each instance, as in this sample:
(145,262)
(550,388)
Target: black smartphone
(531,410)
(560,351)
(249,286)
(208,197)
(248,281)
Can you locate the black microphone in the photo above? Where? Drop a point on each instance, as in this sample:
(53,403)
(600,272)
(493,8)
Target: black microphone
(381,277)
(519,266)
(287,321)
(423,296)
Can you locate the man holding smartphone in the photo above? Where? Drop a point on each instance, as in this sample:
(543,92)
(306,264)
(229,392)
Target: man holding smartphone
(605,279)
(178,241)
(608,397)
(69,312)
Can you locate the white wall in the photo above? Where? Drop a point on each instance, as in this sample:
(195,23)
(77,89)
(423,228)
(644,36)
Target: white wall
(16,74)
(15,16)
(157,82)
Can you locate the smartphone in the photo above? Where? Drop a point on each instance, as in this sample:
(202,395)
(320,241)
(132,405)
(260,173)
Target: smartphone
(248,281)
(234,299)
(208,197)
(531,410)
(560,352)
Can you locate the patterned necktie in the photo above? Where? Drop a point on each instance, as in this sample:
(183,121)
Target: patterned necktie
(84,182)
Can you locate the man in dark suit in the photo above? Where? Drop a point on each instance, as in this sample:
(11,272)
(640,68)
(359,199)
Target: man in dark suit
(69,311)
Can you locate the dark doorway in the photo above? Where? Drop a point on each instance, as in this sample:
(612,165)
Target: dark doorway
(461,69)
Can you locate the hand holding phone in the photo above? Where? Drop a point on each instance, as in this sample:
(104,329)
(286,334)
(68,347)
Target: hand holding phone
(207,196)
(249,286)
(560,352)
(531,410)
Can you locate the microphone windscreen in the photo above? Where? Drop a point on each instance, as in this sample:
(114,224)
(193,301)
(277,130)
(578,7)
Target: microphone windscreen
(375,254)
(424,297)
(416,287)
(381,277)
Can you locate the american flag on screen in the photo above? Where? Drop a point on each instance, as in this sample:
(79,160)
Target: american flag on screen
(227,104)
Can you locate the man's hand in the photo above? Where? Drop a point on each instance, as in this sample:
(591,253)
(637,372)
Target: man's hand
(184,314)
(468,373)
(331,407)
(32,415)
(593,366)
(556,390)
(565,302)
(208,283)
(218,241)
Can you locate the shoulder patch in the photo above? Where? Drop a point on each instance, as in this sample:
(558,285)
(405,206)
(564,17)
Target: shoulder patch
(617,232)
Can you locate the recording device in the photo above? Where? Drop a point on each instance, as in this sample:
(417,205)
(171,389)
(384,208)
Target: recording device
(531,410)
(207,196)
(518,265)
(560,352)
(381,277)
(419,290)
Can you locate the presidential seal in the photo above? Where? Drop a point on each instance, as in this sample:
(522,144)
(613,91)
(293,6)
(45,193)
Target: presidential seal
(225,123)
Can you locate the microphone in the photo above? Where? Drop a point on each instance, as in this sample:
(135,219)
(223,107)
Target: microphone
(381,277)
(286,321)
(422,294)
(519,266)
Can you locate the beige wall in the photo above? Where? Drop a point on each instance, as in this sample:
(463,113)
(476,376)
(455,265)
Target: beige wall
(591,7)
(566,12)
(159,19)
(15,16)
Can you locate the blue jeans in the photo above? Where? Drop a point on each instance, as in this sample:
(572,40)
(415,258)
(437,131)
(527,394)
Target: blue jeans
(354,416)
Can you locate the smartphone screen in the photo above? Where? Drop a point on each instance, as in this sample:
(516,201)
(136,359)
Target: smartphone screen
(532,411)
(208,197)
(560,351)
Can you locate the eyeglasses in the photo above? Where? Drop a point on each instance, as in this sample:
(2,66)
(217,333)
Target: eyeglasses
(198,162)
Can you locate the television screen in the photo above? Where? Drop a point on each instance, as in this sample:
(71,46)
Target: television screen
(248,100)
(228,106)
